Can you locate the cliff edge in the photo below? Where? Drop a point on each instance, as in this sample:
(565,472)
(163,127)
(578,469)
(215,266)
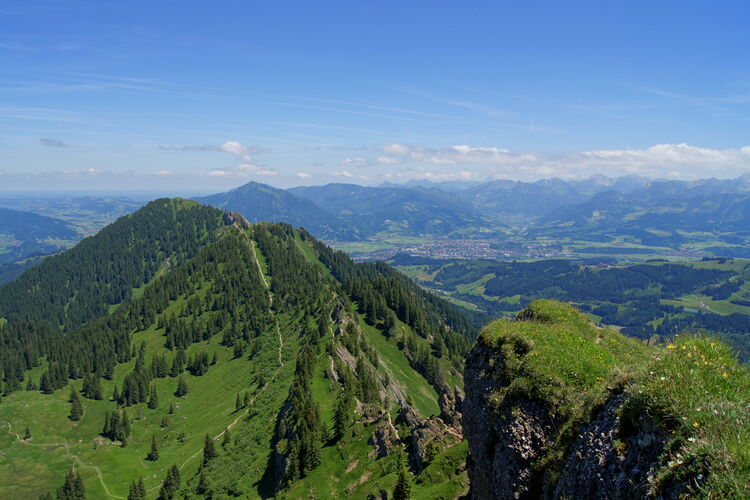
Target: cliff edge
(556,407)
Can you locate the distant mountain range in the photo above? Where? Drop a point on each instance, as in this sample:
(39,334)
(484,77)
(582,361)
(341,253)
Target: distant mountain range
(637,210)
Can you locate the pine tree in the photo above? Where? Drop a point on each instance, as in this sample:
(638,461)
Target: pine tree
(246,400)
(153,455)
(171,484)
(72,488)
(137,490)
(209,450)
(115,394)
(226,441)
(342,414)
(76,410)
(153,398)
(125,419)
(107,428)
(182,387)
(171,408)
(203,487)
(237,403)
(27,434)
(402,491)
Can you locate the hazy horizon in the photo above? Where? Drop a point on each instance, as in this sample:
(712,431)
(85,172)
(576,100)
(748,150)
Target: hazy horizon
(146,193)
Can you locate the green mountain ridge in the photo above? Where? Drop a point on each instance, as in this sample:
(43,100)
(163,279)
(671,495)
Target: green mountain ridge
(223,328)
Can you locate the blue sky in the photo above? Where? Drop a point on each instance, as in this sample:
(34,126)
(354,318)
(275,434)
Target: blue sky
(209,95)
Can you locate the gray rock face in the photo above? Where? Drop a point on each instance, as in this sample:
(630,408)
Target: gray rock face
(609,458)
(612,460)
(503,442)
(385,436)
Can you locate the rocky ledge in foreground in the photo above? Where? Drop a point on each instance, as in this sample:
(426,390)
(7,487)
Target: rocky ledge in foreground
(556,407)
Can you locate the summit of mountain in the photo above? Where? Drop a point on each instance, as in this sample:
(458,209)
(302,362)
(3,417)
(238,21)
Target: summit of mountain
(261,202)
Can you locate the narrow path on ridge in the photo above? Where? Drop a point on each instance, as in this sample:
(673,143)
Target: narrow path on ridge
(270,299)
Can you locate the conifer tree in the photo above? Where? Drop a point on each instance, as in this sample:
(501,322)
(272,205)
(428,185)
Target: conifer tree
(237,403)
(153,454)
(227,438)
(137,490)
(106,428)
(342,414)
(153,398)
(171,484)
(76,410)
(27,434)
(182,387)
(72,488)
(115,394)
(209,450)
(402,491)
(203,487)
(171,408)
(246,400)
(125,419)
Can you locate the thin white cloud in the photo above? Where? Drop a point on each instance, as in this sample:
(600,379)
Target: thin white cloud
(387,160)
(240,170)
(343,173)
(241,151)
(302,175)
(661,160)
(354,162)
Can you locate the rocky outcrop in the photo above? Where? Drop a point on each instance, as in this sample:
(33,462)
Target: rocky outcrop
(608,458)
(502,443)
(385,437)
(618,456)
(450,406)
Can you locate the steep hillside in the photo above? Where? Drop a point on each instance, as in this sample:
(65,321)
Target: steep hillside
(260,202)
(257,363)
(557,408)
(23,234)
